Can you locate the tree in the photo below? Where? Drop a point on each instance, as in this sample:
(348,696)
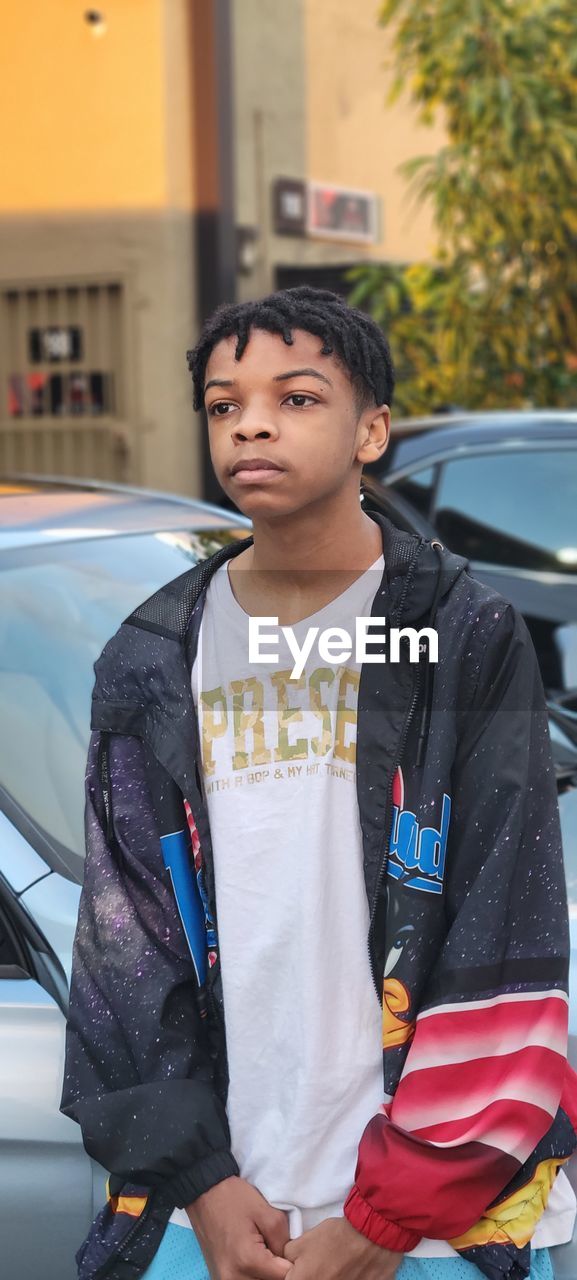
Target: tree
(493,320)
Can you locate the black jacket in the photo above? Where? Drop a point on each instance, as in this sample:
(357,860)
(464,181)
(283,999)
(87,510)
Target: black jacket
(464,876)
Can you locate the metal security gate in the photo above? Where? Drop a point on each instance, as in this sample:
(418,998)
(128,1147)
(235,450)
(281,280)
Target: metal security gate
(63,389)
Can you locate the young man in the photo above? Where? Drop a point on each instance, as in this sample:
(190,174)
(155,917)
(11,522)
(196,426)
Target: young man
(304,873)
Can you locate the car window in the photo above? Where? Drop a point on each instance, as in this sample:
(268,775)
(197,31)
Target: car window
(511,508)
(11,949)
(417,488)
(58,607)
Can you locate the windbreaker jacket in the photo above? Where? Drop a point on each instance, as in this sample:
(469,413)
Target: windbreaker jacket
(468,940)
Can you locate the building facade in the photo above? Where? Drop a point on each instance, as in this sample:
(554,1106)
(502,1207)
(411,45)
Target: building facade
(160,156)
(311,105)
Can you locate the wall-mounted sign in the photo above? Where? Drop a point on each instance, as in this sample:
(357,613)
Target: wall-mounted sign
(53,343)
(339,213)
(289,206)
(326,212)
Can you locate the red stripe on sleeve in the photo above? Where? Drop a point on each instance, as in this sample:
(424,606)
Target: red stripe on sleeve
(532,1076)
(498,1126)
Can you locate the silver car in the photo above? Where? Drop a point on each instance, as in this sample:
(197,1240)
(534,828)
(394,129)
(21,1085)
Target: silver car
(74,561)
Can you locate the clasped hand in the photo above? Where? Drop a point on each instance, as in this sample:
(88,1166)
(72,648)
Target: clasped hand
(335,1251)
(243,1237)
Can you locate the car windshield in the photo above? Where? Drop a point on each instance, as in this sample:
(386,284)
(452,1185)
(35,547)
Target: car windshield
(59,604)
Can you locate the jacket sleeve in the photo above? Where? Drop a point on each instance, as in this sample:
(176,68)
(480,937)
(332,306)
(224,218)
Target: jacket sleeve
(138,1070)
(486,1070)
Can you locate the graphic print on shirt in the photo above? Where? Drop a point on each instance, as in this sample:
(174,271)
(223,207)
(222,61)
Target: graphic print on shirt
(267,728)
(417,853)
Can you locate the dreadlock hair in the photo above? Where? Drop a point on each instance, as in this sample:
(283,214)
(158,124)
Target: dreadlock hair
(347,333)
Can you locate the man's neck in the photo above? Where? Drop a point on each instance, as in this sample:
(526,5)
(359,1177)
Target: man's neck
(299,564)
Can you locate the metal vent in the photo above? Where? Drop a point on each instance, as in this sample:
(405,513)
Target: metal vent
(62,380)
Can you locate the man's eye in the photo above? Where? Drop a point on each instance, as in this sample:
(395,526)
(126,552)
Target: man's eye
(301,398)
(219,408)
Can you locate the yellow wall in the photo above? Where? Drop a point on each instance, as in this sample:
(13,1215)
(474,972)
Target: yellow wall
(82,119)
(354,138)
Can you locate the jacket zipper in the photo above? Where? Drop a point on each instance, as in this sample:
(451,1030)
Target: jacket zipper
(133,1230)
(104,772)
(387,836)
(388,806)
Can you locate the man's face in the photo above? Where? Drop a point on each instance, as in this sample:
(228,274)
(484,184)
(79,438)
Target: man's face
(293,408)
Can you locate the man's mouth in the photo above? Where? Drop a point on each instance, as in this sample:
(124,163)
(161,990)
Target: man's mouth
(252,470)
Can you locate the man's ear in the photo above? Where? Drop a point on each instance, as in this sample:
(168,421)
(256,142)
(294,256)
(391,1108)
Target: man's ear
(375,429)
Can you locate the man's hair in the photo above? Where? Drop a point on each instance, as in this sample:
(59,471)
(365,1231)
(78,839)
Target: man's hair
(347,333)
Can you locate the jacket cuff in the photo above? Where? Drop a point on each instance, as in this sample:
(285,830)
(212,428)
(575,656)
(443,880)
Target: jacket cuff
(193,1182)
(372,1224)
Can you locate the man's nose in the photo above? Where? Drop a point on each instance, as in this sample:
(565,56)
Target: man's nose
(253,426)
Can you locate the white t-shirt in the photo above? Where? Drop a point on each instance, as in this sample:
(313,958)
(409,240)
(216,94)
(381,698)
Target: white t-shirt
(303,1019)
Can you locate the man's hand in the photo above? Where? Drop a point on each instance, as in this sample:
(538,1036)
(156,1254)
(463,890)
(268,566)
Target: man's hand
(336,1251)
(241,1236)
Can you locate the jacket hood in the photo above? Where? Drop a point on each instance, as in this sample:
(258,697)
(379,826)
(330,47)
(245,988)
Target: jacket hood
(416,570)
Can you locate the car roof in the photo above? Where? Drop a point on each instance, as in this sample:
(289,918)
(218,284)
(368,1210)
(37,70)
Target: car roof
(35,508)
(415,438)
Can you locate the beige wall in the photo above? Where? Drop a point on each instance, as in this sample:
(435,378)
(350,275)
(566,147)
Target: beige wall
(354,137)
(311,90)
(269,65)
(151,256)
(97,172)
